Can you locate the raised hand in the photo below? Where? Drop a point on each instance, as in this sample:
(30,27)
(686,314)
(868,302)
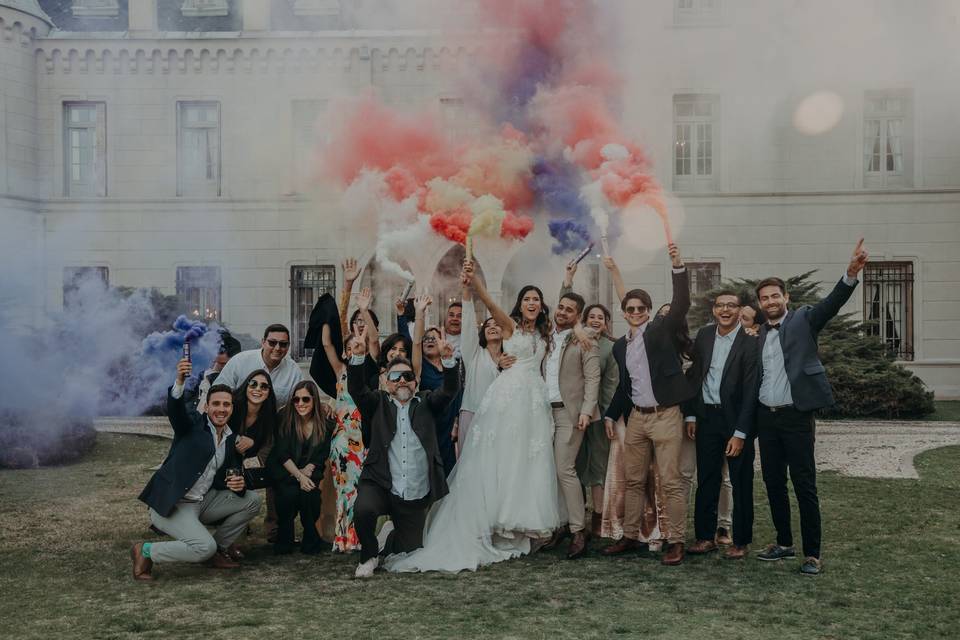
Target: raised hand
(183,370)
(422,301)
(610,263)
(467,273)
(858,260)
(359,346)
(365,299)
(674,252)
(351,271)
(446,350)
(569,271)
(400,305)
(505,361)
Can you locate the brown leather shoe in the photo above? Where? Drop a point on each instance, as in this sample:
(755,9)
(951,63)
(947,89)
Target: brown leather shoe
(736,553)
(234,552)
(596,524)
(623,545)
(221,560)
(702,546)
(578,546)
(559,536)
(674,555)
(141,566)
(723,537)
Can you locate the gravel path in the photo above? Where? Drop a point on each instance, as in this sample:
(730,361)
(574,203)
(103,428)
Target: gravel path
(881,449)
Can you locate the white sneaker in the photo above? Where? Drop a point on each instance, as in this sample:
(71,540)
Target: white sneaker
(366,569)
(383,534)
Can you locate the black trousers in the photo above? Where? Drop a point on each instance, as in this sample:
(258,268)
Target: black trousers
(408,518)
(786,440)
(292,500)
(711,443)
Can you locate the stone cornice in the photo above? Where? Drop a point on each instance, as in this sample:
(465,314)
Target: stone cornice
(191,56)
(18,30)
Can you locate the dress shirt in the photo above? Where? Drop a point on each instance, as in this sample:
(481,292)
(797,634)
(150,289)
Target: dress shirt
(553,364)
(205,481)
(407,458)
(775,387)
(711,382)
(638,367)
(284,377)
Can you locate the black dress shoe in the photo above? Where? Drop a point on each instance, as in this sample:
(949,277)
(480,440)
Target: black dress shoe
(559,536)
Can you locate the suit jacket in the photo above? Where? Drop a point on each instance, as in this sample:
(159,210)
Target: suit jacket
(738,383)
(189,455)
(670,386)
(579,378)
(609,376)
(798,339)
(378,419)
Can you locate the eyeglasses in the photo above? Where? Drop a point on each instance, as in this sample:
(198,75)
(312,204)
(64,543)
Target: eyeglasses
(302,399)
(253,384)
(397,376)
(639,309)
(429,340)
(283,344)
(727,305)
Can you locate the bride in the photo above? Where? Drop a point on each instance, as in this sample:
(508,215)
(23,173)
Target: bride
(503,490)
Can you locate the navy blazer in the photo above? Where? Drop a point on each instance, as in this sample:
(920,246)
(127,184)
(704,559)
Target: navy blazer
(670,387)
(189,455)
(738,382)
(798,339)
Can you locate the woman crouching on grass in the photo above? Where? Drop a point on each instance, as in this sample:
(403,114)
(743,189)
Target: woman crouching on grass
(296,465)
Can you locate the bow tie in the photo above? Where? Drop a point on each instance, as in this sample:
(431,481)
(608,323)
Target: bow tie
(773,327)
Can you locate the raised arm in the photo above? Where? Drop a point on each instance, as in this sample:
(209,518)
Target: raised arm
(826,309)
(680,303)
(568,273)
(506,322)
(469,338)
(176,408)
(350,274)
(420,304)
(357,386)
(331,351)
(364,300)
(615,275)
(439,399)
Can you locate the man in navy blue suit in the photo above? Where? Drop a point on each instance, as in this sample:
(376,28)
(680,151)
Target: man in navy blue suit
(793,385)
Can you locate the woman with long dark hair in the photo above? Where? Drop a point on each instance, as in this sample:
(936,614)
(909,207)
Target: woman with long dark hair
(503,490)
(296,465)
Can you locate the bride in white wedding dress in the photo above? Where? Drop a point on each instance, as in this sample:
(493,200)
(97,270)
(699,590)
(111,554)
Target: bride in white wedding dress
(503,490)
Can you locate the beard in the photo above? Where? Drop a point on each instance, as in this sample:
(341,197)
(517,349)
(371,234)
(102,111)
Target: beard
(403,394)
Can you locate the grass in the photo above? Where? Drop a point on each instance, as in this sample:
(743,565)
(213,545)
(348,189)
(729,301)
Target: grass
(945,411)
(891,570)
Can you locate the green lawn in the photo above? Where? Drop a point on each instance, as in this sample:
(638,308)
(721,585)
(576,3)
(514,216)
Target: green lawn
(891,571)
(945,410)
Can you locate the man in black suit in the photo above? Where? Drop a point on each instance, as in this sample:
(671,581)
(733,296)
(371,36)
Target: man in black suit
(720,419)
(793,385)
(652,387)
(191,488)
(403,473)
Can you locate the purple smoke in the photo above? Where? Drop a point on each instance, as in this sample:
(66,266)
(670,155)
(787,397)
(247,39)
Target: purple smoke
(161,351)
(568,235)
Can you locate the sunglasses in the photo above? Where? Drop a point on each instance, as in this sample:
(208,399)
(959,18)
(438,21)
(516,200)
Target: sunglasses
(253,384)
(639,309)
(283,344)
(302,399)
(397,376)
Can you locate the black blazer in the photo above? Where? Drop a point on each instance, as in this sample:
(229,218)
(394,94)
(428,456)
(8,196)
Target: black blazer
(189,455)
(288,447)
(378,419)
(738,382)
(670,387)
(798,339)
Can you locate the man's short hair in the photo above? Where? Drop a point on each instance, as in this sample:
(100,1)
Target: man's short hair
(398,361)
(637,294)
(219,388)
(771,282)
(728,292)
(455,303)
(577,299)
(276,328)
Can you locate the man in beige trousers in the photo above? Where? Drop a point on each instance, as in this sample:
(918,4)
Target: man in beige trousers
(572,373)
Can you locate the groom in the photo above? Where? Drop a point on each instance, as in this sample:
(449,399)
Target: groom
(572,374)
(403,472)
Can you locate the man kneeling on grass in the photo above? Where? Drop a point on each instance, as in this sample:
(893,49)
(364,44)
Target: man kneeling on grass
(200,483)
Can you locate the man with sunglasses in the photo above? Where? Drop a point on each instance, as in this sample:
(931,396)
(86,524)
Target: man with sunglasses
(403,473)
(273,356)
(652,387)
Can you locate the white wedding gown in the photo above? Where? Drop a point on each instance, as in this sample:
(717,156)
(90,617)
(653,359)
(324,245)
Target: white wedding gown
(503,490)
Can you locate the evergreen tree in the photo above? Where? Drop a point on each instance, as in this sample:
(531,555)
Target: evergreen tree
(866,380)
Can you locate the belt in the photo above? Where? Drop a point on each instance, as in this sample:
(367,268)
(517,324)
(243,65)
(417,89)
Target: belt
(654,409)
(556,405)
(781,407)
(715,407)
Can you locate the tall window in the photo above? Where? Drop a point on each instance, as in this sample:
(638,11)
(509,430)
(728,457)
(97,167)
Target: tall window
(198,289)
(307,284)
(75,279)
(696,120)
(696,12)
(198,147)
(85,148)
(704,276)
(888,305)
(306,137)
(886,136)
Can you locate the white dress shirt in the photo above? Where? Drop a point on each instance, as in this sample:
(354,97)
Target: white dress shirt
(638,366)
(711,382)
(409,466)
(552,372)
(205,481)
(284,377)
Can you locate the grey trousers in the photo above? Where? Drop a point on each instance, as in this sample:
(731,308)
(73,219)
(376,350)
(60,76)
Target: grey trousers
(186,524)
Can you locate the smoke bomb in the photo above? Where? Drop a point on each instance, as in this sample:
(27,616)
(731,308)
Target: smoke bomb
(583,254)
